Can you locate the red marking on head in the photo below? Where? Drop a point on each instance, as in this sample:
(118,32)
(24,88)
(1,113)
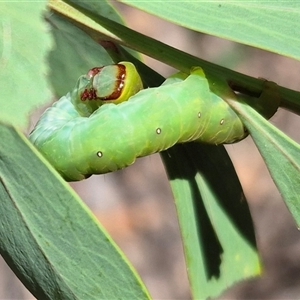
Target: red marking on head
(88,94)
(92,72)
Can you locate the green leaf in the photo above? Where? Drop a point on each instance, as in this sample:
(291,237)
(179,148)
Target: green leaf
(23,46)
(101,28)
(214,218)
(49,237)
(102,7)
(75,50)
(280,153)
(269,25)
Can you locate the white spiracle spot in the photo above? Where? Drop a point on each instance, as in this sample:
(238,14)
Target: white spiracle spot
(158,130)
(100,154)
(222,122)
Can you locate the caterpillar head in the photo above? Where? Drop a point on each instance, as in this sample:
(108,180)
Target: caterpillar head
(107,84)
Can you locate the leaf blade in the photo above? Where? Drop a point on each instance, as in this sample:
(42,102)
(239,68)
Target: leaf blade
(49,237)
(280,153)
(21,65)
(216,226)
(268,25)
(73,45)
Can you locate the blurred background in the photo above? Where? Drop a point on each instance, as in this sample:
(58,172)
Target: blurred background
(136,205)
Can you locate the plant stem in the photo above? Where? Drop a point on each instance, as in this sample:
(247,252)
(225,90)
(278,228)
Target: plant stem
(103,29)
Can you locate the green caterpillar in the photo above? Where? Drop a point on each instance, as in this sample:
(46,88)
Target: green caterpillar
(94,130)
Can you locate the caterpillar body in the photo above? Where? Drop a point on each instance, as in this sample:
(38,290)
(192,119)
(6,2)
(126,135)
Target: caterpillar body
(94,130)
